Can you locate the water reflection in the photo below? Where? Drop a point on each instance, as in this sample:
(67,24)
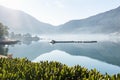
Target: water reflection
(105,51)
(3,50)
(70,60)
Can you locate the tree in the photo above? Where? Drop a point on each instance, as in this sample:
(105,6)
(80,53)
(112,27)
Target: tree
(3,30)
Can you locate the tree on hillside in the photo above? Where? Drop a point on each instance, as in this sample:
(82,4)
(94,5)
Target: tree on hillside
(3,31)
(3,34)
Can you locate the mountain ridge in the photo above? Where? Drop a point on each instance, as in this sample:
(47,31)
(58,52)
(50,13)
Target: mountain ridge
(21,22)
(100,19)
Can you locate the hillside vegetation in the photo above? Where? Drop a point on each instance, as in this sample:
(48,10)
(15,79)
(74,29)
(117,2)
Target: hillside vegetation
(23,69)
(3,31)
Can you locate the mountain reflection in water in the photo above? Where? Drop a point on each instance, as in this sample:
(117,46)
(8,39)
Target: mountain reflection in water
(104,51)
(70,60)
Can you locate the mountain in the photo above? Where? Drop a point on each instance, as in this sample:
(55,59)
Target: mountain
(107,22)
(21,22)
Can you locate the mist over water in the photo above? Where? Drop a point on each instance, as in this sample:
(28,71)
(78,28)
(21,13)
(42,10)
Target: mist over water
(104,52)
(83,37)
(114,37)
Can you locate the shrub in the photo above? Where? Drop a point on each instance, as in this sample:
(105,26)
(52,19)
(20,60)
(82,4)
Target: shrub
(23,69)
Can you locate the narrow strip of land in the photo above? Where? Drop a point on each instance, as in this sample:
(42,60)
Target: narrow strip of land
(9,42)
(53,41)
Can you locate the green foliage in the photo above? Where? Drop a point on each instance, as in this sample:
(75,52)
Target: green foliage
(23,69)
(3,30)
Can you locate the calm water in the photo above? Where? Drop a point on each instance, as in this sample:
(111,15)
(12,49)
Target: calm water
(104,55)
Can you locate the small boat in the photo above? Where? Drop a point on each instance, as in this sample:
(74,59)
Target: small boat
(53,41)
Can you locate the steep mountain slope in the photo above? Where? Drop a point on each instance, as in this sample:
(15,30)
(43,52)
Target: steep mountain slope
(106,22)
(19,21)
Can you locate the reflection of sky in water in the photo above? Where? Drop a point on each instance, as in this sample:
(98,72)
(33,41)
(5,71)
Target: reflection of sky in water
(98,55)
(70,60)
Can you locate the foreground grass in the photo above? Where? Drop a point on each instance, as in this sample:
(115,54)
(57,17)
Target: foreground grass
(23,69)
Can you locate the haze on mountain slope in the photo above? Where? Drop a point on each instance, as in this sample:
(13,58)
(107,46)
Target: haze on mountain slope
(21,22)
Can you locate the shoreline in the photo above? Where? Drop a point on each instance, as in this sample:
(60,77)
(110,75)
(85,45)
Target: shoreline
(2,56)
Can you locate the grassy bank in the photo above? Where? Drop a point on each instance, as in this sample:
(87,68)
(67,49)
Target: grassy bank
(23,69)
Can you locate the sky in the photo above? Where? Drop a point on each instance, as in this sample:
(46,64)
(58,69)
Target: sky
(58,12)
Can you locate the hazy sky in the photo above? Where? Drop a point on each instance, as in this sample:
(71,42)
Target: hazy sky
(60,11)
